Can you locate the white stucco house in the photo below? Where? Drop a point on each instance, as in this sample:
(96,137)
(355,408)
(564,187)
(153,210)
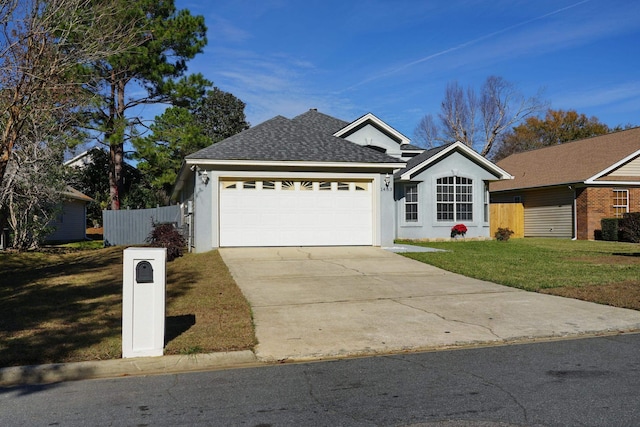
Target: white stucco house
(316,180)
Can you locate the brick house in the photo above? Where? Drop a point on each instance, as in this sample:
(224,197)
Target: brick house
(567,189)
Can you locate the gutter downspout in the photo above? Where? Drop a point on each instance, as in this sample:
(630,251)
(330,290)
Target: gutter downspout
(575,214)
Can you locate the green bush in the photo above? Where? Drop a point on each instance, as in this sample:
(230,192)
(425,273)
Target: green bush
(630,227)
(610,229)
(167,236)
(503,234)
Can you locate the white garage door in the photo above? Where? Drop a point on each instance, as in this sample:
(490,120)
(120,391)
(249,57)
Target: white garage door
(295,213)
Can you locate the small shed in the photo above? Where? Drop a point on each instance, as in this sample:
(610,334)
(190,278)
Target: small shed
(71,223)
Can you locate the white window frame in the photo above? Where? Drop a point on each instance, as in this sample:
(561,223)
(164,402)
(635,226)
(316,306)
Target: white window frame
(415,202)
(453,200)
(619,209)
(486,207)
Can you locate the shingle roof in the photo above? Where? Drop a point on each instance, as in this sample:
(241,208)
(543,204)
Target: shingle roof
(567,163)
(321,122)
(415,161)
(72,193)
(410,147)
(307,137)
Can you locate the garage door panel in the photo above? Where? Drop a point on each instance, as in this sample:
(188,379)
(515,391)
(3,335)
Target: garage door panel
(299,217)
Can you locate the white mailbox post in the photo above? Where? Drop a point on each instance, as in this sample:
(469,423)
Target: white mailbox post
(143,302)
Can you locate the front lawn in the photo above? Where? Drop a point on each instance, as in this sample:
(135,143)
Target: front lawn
(603,272)
(65,305)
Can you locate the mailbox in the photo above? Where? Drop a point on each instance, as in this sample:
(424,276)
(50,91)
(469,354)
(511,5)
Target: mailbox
(143,301)
(144,272)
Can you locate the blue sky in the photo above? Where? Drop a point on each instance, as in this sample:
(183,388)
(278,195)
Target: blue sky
(394,58)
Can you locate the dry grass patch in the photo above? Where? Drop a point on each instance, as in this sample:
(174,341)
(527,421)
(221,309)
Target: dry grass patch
(206,310)
(625,295)
(65,306)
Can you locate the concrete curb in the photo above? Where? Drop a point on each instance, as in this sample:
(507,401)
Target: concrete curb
(58,372)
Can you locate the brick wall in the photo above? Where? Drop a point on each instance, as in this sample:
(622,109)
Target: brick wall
(595,203)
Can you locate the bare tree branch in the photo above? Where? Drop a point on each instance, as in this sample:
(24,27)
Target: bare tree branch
(479,121)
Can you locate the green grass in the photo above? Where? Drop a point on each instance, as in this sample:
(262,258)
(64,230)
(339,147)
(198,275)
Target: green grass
(535,264)
(87,244)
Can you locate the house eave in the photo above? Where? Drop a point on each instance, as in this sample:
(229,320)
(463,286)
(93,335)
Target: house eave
(294,164)
(180,181)
(496,170)
(575,184)
(592,180)
(611,183)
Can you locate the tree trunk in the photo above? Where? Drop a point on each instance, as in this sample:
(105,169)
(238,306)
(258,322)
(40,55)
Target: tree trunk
(116,153)
(115,136)
(9,137)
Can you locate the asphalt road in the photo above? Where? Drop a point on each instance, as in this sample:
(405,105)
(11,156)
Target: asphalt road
(586,382)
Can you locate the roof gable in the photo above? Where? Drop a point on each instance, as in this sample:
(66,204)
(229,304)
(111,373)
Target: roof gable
(432,156)
(371,120)
(581,161)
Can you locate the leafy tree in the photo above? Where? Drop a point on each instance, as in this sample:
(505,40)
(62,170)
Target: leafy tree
(41,44)
(92,179)
(477,120)
(34,182)
(221,115)
(557,127)
(175,134)
(166,39)
(180,131)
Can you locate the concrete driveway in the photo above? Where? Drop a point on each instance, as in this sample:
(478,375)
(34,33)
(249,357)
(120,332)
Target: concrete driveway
(311,303)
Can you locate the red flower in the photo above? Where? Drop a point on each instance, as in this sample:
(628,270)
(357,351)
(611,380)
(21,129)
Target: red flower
(458,229)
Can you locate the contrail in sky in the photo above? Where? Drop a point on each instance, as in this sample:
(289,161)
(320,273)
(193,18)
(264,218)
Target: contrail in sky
(463,45)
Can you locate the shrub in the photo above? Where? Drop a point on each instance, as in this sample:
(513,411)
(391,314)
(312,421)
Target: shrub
(458,229)
(503,234)
(610,229)
(630,227)
(167,236)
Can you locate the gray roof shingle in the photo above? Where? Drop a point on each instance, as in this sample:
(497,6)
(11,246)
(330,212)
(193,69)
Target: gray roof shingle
(307,137)
(415,161)
(408,147)
(320,122)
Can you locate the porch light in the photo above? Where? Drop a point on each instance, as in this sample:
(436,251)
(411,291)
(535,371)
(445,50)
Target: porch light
(204,176)
(387,180)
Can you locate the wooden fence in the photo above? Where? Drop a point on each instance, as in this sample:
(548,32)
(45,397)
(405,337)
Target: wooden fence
(507,215)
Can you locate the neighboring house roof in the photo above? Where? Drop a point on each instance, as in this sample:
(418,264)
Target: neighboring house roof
(80,160)
(72,193)
(306,138)
(428,157)
(582,161)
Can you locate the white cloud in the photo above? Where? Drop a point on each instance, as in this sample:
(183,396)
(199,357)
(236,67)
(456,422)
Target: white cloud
(223,30)
(595,96)
(577,24)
